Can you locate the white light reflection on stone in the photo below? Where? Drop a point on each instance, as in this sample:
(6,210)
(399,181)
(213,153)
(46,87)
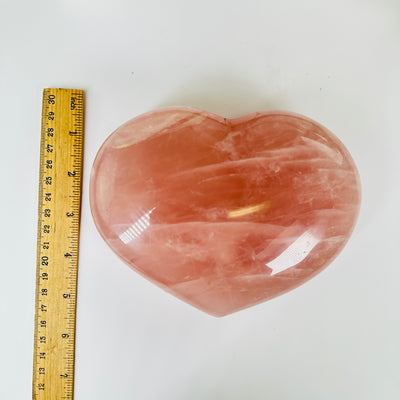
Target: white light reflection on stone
(294,254)
(137,228)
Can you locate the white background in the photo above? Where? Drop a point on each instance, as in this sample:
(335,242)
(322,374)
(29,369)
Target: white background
(338,62)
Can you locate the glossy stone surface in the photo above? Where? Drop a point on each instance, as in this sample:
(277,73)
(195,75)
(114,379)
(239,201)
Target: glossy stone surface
(224,214)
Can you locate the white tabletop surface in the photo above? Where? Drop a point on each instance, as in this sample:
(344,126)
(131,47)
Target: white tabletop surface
(338,62)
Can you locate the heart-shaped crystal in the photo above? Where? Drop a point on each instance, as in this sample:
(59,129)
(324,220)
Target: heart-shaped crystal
(224,214)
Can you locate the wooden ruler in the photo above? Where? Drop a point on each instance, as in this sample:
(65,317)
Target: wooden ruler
(57,243)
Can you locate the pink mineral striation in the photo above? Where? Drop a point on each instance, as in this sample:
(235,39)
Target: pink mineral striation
(224,214)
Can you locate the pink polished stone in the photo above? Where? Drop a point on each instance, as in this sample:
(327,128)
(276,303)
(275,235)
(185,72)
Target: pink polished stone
(224,214)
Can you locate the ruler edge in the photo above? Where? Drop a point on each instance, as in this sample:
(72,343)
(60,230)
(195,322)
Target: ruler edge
(45,107)
(39,238)
(81,93)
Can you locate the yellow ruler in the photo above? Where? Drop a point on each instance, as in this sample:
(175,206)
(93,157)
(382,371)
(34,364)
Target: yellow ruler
(57,243)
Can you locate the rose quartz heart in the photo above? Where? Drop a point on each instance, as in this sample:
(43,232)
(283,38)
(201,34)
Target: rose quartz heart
(224,214)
